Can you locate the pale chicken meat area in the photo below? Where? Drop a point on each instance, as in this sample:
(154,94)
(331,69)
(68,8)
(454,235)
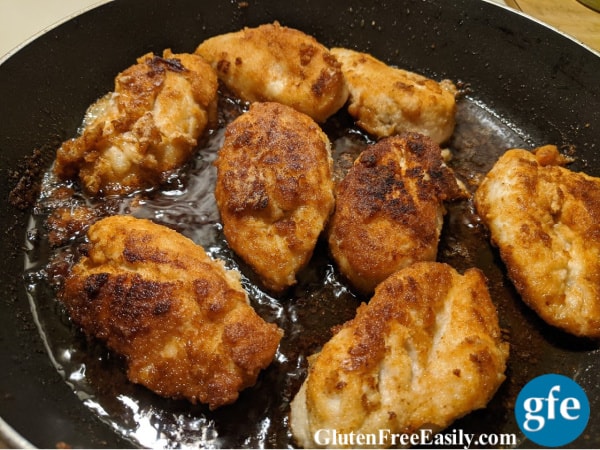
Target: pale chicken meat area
(386,100)
(390,209)
(545,221)
(273,63)
(274,190)
(136,136)
(182,321)
(426,350)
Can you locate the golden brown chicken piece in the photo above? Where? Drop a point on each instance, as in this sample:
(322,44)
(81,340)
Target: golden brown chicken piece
(386,100)
(181,320)
(274,190)
(272,63)
(545,220)
(426,350)
(135,136)
(389,209)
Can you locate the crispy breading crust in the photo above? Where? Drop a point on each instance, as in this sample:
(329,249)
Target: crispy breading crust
(274,190)
(426,350)
(273,63)
(181,320)
(545,220)
(146,128)
(389,209)
(386,100)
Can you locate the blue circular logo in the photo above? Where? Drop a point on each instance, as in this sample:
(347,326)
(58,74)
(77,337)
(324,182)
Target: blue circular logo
(552,410)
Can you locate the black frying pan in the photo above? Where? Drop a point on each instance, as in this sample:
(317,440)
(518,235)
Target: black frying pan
(525,85)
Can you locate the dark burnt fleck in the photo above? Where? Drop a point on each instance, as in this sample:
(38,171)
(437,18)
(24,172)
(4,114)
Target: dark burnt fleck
(223,66)
(173,64)
(93,285)
(162,307)
(27,181)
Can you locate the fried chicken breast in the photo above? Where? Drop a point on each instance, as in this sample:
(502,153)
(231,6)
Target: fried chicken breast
(180,319)
(545,221)
(274,190)
(426,350)
(386,100)
(135,136)
(273,63)
(389,209)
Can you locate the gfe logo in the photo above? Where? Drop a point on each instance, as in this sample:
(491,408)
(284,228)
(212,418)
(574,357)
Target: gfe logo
(552,410)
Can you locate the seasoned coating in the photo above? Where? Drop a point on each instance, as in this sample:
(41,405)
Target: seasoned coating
(68,222)
(386,100)
(135,136)
(389,209)
(426,350)
(545,220)
(180,319)
(274,190)
(273,63)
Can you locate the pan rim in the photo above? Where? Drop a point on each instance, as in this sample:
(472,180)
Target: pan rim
(12,438)
(5,57)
